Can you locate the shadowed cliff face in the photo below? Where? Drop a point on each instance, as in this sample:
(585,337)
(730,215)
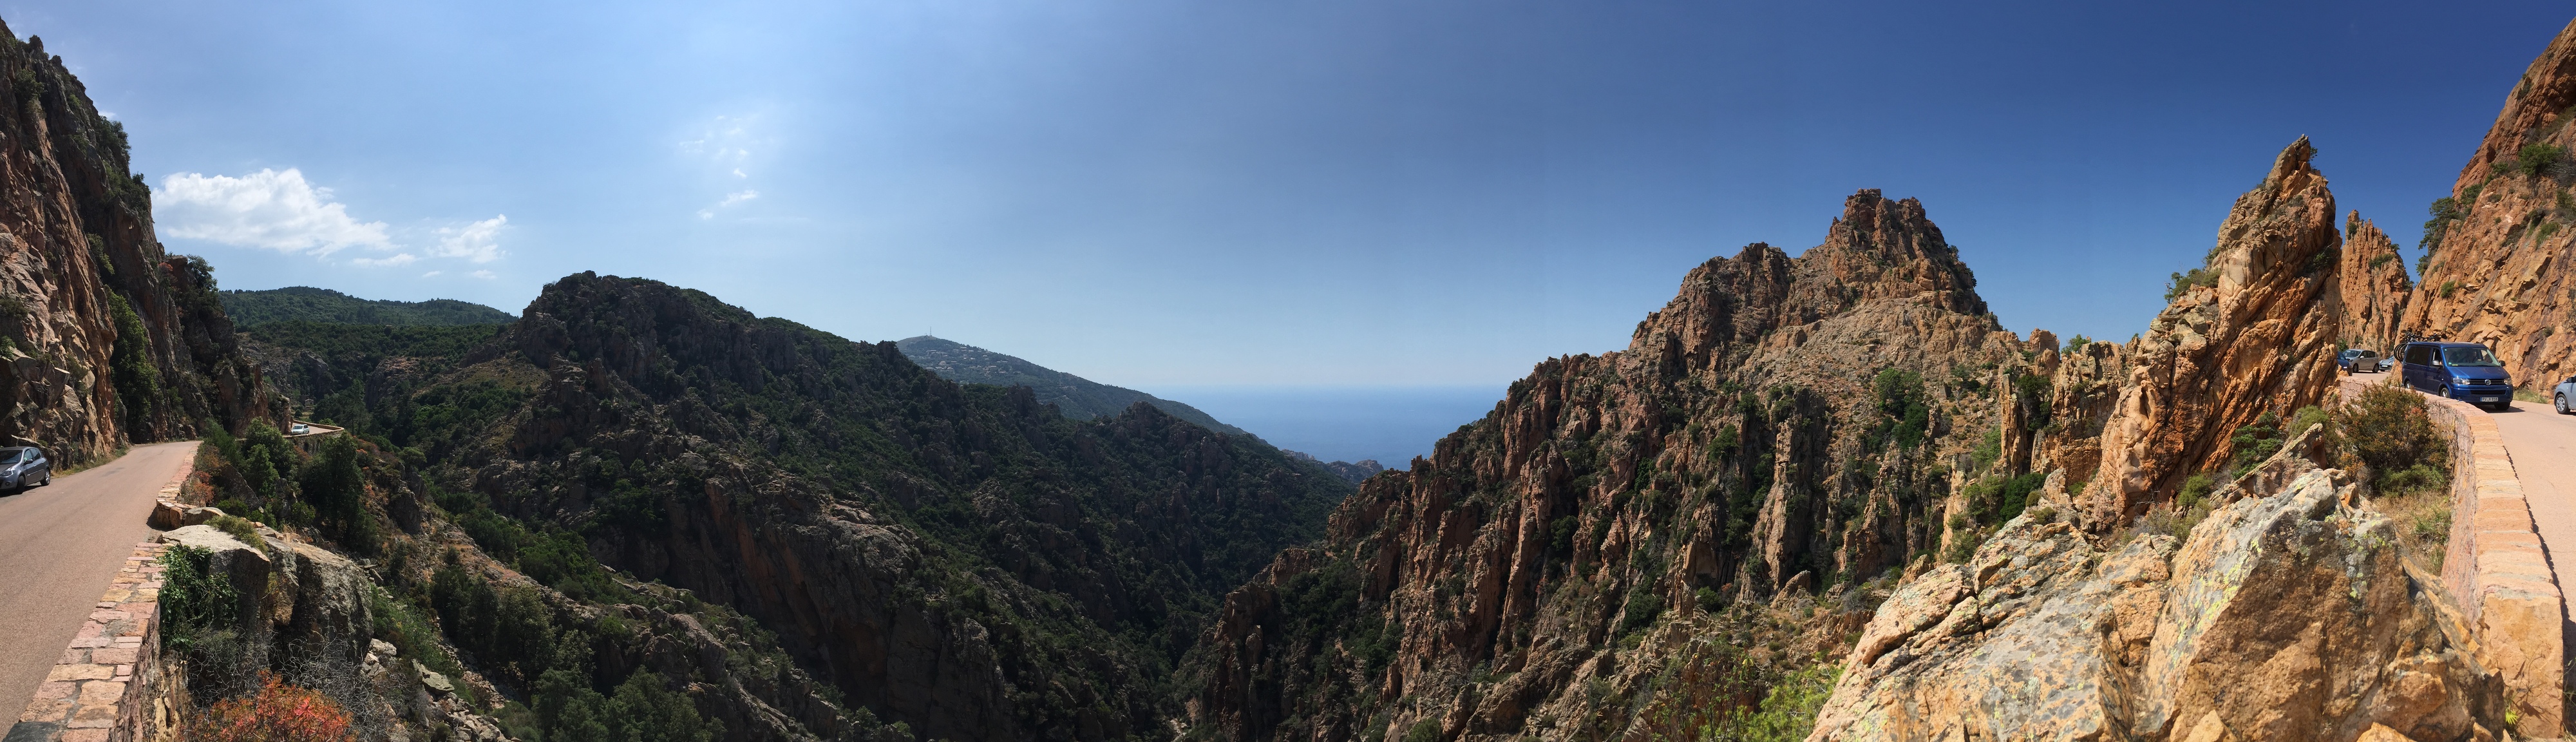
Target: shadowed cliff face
(1782,421)
(2497,271)
(103,337)
(959,558)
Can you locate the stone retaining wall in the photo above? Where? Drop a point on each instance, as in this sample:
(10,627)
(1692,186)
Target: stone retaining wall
(111,684)
(2495,568)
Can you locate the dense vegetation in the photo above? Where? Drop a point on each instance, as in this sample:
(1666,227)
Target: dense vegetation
(308,304)
(1091,551)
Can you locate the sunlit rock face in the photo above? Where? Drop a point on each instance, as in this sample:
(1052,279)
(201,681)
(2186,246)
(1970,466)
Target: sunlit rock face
(104,339)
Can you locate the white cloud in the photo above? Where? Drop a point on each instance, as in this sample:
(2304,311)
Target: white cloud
(432,274)
(267,209)
(396,261)
(478,242)
(485,275)
(729,200)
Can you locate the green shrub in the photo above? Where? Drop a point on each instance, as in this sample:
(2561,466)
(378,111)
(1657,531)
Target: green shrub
(240,528)
(1999,499)
(335,493)
(2401,446)
(194,600)
(2183,283)
(1645,604)
(1905,412)
(2195,488)
(1787,713)
(645,709)
(1427,730)
(2257,441)
(137,377)
(1987,451)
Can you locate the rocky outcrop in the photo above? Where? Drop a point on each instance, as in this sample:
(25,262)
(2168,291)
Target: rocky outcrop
(104,338)
(1781,423)
(2083,392)
(2285,616)
(2372,284)
(2259,339)
(2498,248)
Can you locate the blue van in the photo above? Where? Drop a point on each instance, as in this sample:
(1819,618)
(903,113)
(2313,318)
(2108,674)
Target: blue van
(2468,372)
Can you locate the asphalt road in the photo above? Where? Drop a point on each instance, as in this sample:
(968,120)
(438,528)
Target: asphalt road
(2543,445)
(60,545)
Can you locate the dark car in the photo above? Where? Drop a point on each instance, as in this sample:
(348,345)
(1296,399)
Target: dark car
(2361,361)
(25,466)
(2468,372)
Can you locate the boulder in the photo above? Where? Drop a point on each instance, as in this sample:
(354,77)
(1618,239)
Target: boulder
(2283,616)
(169,516)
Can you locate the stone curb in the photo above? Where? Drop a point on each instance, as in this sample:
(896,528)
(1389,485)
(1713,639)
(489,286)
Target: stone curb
(2495,567)
(111,684)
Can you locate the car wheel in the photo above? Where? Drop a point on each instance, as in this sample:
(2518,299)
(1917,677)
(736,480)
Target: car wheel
(49,478)
(2560,402)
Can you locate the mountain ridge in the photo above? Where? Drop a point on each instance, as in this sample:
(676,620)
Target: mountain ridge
(310,304)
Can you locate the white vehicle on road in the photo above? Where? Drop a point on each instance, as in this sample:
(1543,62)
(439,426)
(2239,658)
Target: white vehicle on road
(299,429)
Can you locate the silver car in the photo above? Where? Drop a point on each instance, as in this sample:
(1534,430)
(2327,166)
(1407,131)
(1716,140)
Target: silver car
(25,466)
(2559,399)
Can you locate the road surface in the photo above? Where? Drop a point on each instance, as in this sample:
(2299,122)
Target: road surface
(2543,445)
(60,545)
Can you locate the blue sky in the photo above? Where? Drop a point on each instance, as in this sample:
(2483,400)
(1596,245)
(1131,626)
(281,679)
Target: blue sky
(1324,193)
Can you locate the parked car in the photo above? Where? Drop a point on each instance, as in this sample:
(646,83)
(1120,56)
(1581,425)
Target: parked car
(2468,372)
(25,466)
(2565,391)
(2361,361)
(299,429)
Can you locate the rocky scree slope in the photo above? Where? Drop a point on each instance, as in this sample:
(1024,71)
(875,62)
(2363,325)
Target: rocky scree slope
(2496,268)
(1781,423)
(960,558)
(104,338)
(309,304)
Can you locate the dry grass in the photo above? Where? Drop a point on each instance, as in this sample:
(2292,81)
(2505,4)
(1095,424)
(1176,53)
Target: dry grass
(2422,519)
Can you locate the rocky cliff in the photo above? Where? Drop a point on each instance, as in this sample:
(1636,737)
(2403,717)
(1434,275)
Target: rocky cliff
(104,338)
(2258,336)
(2496,268)
(2372,286)
(1782,423)
(960,558)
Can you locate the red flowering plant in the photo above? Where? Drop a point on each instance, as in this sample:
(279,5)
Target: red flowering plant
(277,713)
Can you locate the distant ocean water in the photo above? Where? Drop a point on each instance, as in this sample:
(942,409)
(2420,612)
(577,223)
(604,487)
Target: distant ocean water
(1390,424)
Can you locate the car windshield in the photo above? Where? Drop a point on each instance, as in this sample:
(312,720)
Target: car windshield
(2475,355)
(11,455)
